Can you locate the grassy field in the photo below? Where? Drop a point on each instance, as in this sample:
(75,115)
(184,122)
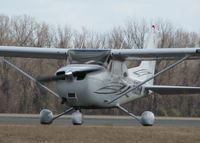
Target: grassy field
(99,134)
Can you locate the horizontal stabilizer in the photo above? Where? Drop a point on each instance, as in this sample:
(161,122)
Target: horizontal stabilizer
(162,89)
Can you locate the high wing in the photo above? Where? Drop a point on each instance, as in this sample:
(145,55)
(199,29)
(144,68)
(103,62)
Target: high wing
(33,52)
(155,54)
(163,89)
(59,53)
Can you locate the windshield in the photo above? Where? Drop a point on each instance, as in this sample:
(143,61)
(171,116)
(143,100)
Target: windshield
(88,56)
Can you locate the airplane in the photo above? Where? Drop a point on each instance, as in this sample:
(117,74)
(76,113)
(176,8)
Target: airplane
(100,78)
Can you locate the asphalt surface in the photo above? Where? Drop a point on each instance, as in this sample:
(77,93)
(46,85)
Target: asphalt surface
(16,119)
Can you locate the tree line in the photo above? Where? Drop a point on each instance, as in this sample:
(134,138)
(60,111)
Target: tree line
(19,95)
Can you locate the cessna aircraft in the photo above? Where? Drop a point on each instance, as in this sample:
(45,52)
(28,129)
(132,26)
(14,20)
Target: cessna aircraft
(100,78)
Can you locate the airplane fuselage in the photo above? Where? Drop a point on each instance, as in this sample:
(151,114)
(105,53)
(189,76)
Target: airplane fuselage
(95,89)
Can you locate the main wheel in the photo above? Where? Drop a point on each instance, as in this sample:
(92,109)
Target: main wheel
(46,116)
(147,118)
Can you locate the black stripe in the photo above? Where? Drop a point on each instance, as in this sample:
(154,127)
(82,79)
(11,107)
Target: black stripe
(117,92)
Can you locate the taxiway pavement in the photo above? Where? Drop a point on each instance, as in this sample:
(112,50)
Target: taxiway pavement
(24,119)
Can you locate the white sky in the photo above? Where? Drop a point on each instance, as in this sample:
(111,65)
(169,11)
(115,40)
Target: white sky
(102,15)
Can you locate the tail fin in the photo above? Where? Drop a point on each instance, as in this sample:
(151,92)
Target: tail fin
(146,68)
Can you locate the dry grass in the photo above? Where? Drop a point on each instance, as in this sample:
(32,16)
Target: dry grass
(98,134)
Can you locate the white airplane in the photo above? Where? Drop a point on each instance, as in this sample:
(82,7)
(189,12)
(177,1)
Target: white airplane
(100,78)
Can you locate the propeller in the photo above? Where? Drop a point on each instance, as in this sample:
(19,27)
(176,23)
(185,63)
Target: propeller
(70,73)
(63,76)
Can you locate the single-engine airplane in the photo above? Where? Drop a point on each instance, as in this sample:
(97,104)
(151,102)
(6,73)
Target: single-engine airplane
(100,78)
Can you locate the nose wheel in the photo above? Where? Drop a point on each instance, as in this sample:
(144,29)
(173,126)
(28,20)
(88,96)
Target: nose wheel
(77,118)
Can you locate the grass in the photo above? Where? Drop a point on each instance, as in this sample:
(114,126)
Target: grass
(97,134)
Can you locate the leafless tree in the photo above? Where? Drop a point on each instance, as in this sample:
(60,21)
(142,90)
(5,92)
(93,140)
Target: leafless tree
(19,95)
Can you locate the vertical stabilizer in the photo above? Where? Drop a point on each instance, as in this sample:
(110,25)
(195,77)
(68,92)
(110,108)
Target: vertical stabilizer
(146,68)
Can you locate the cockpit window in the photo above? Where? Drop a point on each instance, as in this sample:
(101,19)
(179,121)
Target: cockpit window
(99,57)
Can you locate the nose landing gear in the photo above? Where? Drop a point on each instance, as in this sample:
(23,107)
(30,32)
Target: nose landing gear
(77,118)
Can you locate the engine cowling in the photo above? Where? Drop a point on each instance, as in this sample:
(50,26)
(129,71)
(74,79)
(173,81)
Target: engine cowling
(46,116)
(147,118)
(77,118)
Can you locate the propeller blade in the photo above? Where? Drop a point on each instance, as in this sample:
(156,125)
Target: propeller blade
(51,78)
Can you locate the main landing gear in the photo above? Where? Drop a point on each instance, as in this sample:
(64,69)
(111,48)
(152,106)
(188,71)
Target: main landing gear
(147,118)
(46,116)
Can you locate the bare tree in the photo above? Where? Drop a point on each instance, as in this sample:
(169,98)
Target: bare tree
(22,30)
(64,36)
(5,31)
(17,90)
(135,33)
(116,38)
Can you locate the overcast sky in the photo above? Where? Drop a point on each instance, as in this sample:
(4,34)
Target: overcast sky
(102,15)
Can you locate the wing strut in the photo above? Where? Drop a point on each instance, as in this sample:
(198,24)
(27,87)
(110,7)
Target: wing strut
(30,77)
(129,113)
(147,118)
(61,114)
(154,76)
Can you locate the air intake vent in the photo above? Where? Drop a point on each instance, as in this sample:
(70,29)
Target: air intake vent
(60,73)
(71,95)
